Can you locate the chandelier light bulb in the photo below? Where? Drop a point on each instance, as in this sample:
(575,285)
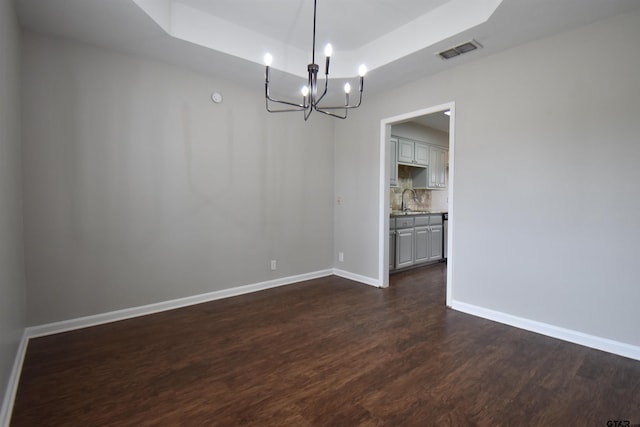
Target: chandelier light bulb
(328,50)
(347,88)
(362,70)
(268,59)
(304,91)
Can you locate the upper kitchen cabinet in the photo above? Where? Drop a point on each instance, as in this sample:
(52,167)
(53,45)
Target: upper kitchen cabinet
(437,167)
(423,148)
(393,162)
(413,152)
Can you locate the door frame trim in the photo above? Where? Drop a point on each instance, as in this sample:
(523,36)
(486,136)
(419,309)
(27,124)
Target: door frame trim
(383,207)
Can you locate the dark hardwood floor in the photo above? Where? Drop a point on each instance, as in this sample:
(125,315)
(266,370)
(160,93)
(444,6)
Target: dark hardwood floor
(327,352)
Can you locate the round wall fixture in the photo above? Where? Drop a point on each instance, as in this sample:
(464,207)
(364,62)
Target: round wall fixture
(216,97)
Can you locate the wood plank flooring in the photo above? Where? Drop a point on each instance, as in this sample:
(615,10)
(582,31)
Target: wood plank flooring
(326,352)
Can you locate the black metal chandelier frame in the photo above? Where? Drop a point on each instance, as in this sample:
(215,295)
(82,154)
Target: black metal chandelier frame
(310,99)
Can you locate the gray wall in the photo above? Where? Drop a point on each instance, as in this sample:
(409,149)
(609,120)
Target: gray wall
(546,178)
(139,189)
(12,290)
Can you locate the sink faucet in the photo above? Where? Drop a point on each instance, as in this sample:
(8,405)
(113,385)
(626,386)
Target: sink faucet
(402,206)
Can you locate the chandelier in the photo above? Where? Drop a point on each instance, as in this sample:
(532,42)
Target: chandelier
(310,99)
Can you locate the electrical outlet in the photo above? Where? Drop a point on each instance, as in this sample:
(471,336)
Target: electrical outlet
(273,264)
(341,256)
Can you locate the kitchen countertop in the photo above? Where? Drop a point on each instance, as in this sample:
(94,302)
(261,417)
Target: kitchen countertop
(406,213)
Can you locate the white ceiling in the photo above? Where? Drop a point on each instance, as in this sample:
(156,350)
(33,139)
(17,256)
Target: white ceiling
(351,23)
(397,39)
(438,120)
(359,32)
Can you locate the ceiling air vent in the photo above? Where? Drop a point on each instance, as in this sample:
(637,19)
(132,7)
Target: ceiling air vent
(460,49)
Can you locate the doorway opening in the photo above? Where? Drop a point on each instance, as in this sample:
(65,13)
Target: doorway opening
(427,117)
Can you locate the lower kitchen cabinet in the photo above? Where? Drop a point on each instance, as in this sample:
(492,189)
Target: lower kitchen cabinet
(417,240)
(436,233)
(392,249)
(422,253)
(404,247)
(435,244)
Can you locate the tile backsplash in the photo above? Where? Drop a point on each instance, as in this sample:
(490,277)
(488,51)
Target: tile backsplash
(422,201)
(404,176)
(425,200)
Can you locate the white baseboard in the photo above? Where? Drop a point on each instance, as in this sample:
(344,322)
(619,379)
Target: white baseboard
(357,277)
(12,385)
(604,344)
(127,313)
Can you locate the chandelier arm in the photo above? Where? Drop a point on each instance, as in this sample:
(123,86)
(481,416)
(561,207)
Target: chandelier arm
(328,113)
(284,110)
(267,95)
(326,87)
(341,107)
(297,107)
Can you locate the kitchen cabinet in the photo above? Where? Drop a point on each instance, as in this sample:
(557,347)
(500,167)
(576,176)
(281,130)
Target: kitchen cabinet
(427,163)
(405,151)
(392,243)
(404,248)
(437,167)
(404,242)
(428,238)
(421,153)
(393,162)
(422,250)
(392,249)
(416,240)
(421,239)
(413,152)
(435,242)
